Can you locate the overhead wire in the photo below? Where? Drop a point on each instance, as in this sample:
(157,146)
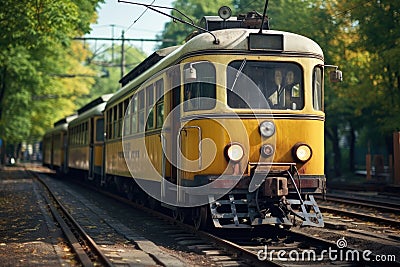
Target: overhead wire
(136,20)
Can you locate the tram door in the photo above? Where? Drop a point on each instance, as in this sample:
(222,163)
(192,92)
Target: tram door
(173,123)
(91,148)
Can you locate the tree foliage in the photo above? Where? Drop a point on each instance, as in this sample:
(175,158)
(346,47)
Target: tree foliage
(194,9)
(107,66)
(35,50)
(378,23)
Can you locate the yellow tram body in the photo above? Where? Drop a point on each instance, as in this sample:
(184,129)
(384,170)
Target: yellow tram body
(236,112)
(55,145)
(294,125)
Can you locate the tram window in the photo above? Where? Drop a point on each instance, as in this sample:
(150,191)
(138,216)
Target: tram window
(200,94)
(120,116)
(84,132)
(109,124)
(134,111)
(150,107)
(160,114)
(71,135)
(127,118)
(159,103)
(115,122)
(263,85)
(317,88)
(141,111)
(80,134)
(99,130)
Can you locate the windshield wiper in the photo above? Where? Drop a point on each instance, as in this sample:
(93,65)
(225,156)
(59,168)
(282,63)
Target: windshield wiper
(238,73)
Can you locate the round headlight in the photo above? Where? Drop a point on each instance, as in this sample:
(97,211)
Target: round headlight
(267,150)
(267,128)
(302,152)
(234,152)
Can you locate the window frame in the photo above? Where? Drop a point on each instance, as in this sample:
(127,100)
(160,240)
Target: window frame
(198,88)
(318,93)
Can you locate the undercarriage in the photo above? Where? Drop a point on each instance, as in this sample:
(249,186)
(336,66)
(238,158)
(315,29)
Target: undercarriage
(277,199)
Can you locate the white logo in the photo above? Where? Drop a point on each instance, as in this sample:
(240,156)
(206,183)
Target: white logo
(309,255)
(341,243)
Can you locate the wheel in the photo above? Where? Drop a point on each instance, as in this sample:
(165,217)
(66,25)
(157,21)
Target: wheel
(178,215)
(152,203)
(199,217)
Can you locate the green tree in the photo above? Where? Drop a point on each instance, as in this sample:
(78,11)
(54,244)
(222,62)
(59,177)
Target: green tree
(378,23)
(194,9)
(108,69)
(286,15)
(34,48)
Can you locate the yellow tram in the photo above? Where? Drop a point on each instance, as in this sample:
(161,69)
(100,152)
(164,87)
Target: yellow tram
(227,127)
(86,139)
(55,143)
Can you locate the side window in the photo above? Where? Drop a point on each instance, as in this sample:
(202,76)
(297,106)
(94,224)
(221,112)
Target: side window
(70,135)
(159,103)
(84,132)
(317,88)
(150,107)
(120,116)
(200,88)
(80,134)
(115,122)
(109,124)
(134,114)
(99,130)
(127,117)
(141,110)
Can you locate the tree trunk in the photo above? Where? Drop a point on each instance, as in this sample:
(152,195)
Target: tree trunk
(352,149)
(333,136)
(337,155)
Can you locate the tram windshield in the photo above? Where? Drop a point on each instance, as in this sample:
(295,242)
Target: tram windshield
(264,85)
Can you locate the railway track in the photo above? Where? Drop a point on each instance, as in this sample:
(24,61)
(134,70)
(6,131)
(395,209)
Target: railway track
(282,248)
(365,209)
(163,227)
(381,204)
(218,249)
(87,252)
(250,248)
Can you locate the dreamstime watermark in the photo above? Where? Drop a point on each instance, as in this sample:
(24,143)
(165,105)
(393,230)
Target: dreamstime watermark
(341,253)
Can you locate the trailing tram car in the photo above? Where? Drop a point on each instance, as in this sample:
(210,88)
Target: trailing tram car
(227,128)
(55,141)
(86,140)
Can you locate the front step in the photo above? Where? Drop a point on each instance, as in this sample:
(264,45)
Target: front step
(313,217)
(229,217)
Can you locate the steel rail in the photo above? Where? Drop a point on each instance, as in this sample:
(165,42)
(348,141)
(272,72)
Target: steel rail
(229,246)
(362,216)
(369,203)
(81,253)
